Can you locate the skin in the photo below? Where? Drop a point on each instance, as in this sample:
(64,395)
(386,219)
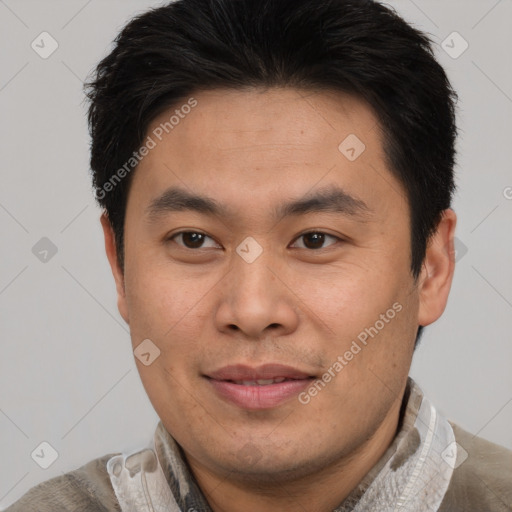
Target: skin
(205,308)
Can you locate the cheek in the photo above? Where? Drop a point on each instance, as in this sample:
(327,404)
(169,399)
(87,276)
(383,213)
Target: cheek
(164,308)
(386,341)
(347,300)
(160,299)
(371,320)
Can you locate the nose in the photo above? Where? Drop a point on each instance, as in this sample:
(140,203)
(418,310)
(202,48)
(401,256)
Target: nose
(256,300)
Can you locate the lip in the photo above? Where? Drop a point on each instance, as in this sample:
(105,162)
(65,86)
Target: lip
(258,396)
(265,371)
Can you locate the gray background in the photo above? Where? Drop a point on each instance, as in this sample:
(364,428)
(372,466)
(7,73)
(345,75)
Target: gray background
(67,373)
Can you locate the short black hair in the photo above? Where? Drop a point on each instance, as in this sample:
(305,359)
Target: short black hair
(360,47)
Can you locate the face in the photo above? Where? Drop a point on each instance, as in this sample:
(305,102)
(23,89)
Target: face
(280,298)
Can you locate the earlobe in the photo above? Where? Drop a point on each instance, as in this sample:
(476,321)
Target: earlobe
(438,268)
(111,250)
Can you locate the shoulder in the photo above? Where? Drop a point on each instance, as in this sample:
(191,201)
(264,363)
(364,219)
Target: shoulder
(482,478)
(82,490)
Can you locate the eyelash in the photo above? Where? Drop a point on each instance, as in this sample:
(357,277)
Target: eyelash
(338,239)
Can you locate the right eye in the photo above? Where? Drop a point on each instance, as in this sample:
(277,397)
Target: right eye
(192,239)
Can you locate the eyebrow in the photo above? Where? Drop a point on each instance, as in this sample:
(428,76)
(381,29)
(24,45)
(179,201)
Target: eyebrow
(332,199)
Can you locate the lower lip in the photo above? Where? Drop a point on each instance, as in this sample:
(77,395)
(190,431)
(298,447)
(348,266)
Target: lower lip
(259,397)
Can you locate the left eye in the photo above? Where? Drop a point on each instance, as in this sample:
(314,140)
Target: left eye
(315,240)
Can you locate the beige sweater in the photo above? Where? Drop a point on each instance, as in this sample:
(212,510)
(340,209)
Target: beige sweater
(432,465)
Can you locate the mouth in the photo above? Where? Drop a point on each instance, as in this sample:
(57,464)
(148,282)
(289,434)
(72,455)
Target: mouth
(262,387)
(263,375)
(261,382)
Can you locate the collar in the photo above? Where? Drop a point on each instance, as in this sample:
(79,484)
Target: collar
(414,473)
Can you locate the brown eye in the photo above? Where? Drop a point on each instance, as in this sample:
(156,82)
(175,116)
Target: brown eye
(191,239)
(315,240)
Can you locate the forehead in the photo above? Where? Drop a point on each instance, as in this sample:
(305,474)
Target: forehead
(261,144)
(284,115)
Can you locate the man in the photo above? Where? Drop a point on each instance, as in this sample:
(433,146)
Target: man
(276,178)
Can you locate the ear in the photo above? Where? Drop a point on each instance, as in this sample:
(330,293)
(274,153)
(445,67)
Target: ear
(110,249)
(436,275)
